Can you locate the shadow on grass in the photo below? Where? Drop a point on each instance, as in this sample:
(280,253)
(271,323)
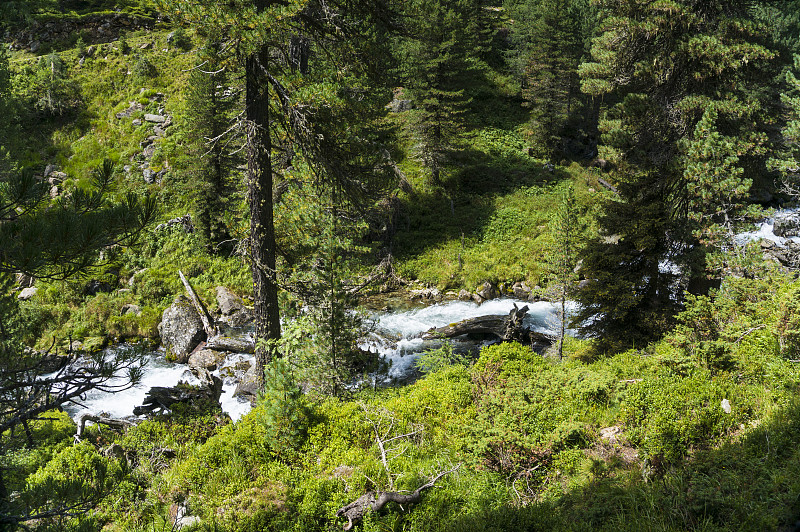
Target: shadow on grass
(465,203)
(750,484)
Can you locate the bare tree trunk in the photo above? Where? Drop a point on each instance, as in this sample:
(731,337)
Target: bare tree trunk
(563,321)
(259,188)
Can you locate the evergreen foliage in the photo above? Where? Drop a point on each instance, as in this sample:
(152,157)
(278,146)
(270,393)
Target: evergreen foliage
(65,237)
(688,135)
(210,103)
(49,88)
(696,431)
(564,257)
(788,163)
(435,66)
(550,37)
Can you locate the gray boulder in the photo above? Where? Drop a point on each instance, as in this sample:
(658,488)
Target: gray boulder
(181,329)
(234,311)
(206,359)
(27,293)
(248,388)
(487,291)
(155,119)
(131,308)
(521,290)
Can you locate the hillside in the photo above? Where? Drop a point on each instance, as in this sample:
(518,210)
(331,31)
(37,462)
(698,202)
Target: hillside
(543,150)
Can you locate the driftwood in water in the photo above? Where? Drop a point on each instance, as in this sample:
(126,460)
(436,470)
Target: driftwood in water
(205,317)
(161,399)
(375,500)
(506,328)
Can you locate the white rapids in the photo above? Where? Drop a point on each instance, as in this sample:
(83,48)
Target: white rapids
(395,337)
(765,230)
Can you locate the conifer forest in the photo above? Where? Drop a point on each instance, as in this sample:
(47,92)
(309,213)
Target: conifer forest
(399,265)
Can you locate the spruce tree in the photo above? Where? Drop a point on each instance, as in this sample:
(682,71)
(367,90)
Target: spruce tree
(276,43)
(210,103)
(436,62)
(565,226)
(550,37)
(788,160)
(687,134)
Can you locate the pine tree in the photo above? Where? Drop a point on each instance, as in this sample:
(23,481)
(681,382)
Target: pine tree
(550,38)
(210,103)
(688,137)
(436,61)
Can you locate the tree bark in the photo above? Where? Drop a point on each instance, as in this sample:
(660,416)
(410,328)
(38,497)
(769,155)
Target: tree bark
(259,188)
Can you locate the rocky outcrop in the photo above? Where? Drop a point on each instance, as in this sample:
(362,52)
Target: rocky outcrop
(181,329)
(234,312)
(99,28)
(787,255)
(427,294)
(159,122)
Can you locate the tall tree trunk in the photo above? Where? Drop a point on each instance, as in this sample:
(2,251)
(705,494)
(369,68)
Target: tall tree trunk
(259,188)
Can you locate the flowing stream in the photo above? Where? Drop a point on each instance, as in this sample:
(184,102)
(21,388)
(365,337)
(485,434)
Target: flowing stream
(766,229)
(394,335)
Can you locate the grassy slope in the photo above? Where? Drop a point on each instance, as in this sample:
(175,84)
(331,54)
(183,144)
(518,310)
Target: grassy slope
(490,218)
(78,142)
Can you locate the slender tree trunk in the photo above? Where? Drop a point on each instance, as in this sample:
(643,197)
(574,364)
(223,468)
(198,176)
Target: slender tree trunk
(259,188)
(563,330)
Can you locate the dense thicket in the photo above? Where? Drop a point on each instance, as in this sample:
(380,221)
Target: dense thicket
(686,124)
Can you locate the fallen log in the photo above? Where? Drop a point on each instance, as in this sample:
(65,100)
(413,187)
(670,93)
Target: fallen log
(484,325)
(375,500)
(205,317)
(233,345)
(162,399)
(505,328)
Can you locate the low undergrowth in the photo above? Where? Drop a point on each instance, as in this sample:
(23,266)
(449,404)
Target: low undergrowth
(655,439)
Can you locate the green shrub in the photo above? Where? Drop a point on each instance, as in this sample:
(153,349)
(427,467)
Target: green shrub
(438,359)
(181,39)
(670,415)
(284,414)
(78,475)
(49,88)
(143,68)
